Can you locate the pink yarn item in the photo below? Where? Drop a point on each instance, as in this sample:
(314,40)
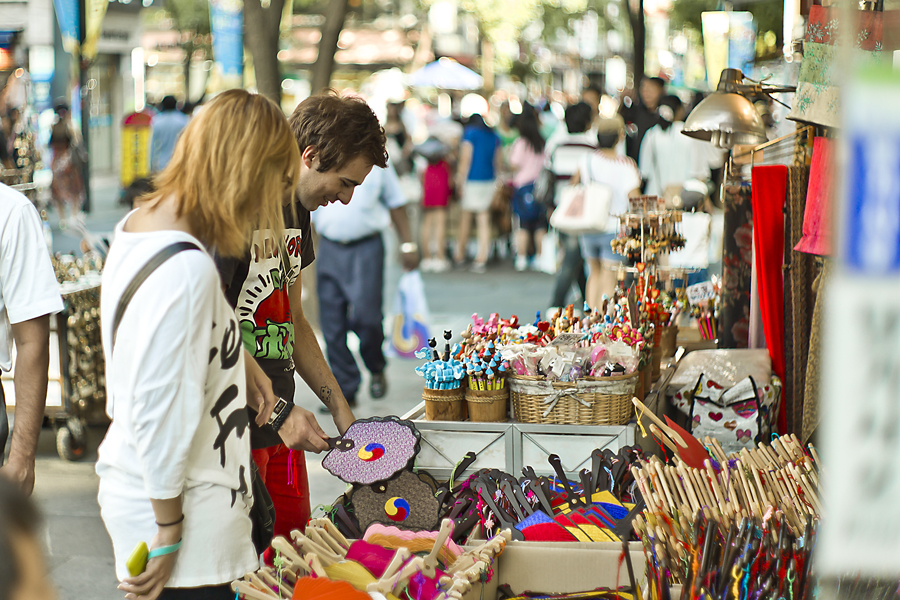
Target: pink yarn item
(378,528)
(372,556)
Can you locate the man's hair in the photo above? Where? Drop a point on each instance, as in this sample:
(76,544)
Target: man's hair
(18,517)
(232,167)
(578,117)
(609,130)
(169,103)
(659,81)
(341,128)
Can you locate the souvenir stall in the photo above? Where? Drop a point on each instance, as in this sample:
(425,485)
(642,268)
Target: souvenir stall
(76,391)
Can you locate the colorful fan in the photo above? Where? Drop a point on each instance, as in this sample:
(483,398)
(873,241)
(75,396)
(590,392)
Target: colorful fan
(308,588)
(406,502)
(373,450)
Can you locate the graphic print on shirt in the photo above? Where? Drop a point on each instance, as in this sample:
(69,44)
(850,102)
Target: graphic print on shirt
(237,421)
(263,307)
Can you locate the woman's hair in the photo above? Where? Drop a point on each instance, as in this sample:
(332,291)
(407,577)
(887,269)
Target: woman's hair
(18,517)
(669,107)
(530,128)
(578,117)
(476,120)
(231,169)
(341,128)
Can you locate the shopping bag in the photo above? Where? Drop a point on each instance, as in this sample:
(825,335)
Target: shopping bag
(409,330)
(583,208)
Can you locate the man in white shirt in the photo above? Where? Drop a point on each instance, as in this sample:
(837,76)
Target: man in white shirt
(29,294)
(350,275)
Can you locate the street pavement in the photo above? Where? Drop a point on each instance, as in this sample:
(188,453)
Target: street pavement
(80,553)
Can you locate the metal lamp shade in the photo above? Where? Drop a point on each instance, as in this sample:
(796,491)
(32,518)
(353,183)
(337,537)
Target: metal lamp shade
(726,119)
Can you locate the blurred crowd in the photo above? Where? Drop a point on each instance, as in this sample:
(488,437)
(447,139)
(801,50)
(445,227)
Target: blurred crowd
(479,166)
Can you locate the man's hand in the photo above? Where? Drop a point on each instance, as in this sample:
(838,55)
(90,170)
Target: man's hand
(410,260)
(21,473)
(260,396)
(301,431)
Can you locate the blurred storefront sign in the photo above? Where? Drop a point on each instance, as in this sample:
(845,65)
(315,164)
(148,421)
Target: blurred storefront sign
(729,42)
(227,23)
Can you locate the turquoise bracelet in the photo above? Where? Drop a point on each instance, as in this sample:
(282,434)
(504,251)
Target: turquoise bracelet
(163,550)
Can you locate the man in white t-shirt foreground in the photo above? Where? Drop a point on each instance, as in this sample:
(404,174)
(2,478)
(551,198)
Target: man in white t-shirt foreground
(29,294)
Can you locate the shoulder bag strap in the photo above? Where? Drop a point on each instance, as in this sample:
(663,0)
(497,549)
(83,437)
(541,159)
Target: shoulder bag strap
(154,263)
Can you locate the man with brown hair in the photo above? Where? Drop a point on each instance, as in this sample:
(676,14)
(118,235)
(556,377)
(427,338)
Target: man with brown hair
(340,141)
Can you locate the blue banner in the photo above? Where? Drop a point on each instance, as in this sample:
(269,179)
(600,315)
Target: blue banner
(67,15)
(227,24)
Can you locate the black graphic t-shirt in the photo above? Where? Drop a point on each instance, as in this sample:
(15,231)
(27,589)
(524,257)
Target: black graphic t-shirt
(257,287)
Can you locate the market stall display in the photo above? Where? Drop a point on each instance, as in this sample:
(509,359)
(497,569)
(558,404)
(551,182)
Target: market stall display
(427,567)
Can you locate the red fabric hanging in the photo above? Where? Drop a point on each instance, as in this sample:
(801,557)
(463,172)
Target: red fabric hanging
(769,192)
(817,215)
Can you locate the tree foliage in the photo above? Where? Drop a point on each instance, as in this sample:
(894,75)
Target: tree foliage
(768,14)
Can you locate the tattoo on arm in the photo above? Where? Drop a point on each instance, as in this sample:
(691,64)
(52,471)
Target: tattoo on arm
(325,395)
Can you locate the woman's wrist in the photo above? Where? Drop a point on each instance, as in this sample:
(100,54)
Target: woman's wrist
(169,535)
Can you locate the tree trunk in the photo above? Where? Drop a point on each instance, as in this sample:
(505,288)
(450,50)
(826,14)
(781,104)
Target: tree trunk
(335,13)
(262,28)
(188,55)
(638,30)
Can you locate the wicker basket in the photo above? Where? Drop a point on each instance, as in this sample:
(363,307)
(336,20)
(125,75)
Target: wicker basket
(488,406)
(444,405)
(589,401)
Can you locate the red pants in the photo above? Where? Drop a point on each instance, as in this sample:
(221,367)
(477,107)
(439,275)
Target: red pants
(284,473)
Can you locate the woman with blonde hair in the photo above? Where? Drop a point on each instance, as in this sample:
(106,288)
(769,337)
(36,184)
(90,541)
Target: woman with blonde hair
(175,464)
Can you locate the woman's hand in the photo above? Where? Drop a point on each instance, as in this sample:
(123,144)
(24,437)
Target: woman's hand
(149,584)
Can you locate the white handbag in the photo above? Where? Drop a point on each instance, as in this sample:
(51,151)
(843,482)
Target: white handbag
(583,208)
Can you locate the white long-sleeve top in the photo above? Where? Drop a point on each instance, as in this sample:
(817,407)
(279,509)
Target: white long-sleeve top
(176,396)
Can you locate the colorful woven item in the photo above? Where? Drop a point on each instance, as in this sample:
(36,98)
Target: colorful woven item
(405,502)
(373,450)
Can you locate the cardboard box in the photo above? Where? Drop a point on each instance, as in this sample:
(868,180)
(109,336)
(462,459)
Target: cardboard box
(566,567)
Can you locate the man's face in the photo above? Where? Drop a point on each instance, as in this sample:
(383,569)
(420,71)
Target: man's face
(317,189)
(650,94)
(33,582)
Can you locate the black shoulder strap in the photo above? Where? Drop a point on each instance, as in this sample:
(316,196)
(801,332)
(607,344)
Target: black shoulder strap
(158,259)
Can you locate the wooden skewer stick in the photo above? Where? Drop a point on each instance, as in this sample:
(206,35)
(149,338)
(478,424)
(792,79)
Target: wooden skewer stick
(668,430)
(663,438)
(715,449)
(689,488)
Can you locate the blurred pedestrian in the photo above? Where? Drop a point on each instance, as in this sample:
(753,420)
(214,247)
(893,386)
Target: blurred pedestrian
(480,158)
(174,465)
(166,126)
(24,574)
(67,189)
(669,158)
(565,152)
(29,294)
(505,129)
(641,113)
(437,188)
(399,140)
(350,276)
(526,159)
(607,167)
(592,96)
